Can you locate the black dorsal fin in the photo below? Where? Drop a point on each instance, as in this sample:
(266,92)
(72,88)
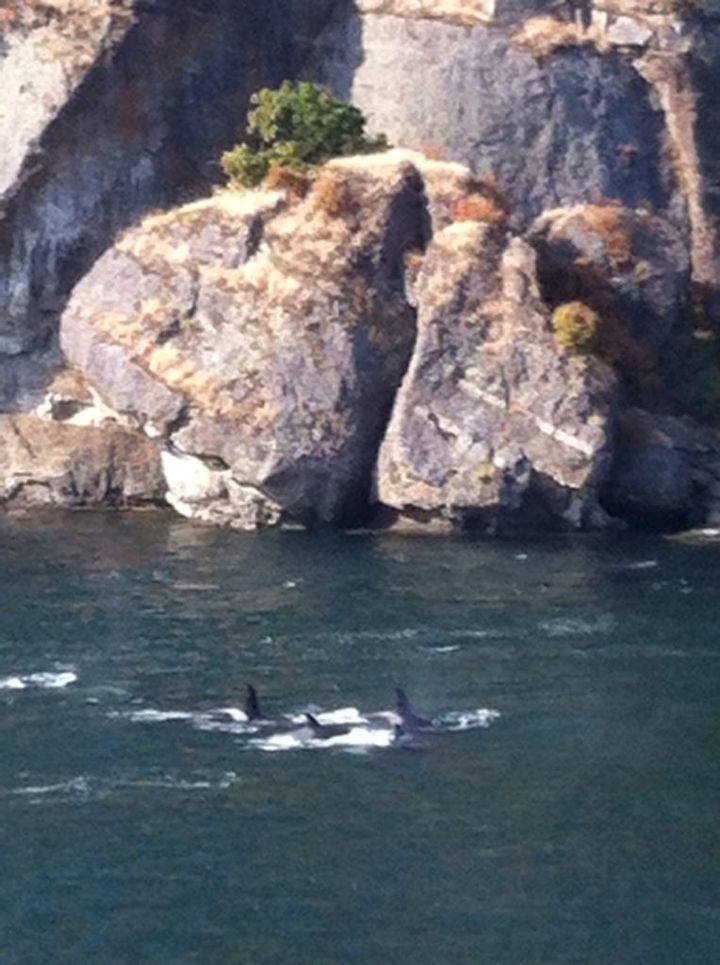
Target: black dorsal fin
(252,704)
(407,714)
(403,704)
(314,722)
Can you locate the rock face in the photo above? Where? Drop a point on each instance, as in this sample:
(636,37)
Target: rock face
(633,268)
(574,127)
(564,104)
(45,463)
(113,109)
(492,424)
(630,262)
(260,342)
(666,472)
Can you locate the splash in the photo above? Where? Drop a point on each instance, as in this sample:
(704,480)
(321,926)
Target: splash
(46,680)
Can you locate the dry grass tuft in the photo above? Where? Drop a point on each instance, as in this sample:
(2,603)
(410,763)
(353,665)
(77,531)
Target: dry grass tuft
(542,36)
(433,152)
(614,226)
(475,207)
(282,178)
(331,193)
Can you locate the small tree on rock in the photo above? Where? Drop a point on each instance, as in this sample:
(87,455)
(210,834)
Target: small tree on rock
(296,127)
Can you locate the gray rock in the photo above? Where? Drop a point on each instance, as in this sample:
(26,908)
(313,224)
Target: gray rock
(491,423)
(629,262)
(111,111)
(268,370)
(45,463)
(553,131)
(665,471)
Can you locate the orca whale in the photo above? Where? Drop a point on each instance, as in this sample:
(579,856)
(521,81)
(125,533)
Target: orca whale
(252,704)
(410,720)
(251,708)
(324,731)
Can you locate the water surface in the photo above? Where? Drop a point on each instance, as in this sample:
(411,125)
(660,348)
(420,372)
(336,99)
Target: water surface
(578,826)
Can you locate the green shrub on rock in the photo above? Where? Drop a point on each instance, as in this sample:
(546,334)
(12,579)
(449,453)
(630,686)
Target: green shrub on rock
(296,127)
(576,326)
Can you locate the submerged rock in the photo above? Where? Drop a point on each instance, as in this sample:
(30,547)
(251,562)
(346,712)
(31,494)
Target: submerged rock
(492,424)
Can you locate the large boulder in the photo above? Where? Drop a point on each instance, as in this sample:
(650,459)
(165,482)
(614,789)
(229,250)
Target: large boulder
(261,341)
(46,463)
(492,423)
(630,262)
(633,268)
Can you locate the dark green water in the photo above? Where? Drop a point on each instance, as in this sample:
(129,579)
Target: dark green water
(580,826)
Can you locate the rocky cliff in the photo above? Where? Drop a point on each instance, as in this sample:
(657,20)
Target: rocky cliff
(379,342)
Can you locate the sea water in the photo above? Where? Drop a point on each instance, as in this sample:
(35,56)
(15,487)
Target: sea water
(564,809)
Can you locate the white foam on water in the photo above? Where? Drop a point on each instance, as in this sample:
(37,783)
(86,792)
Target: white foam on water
(448,649)
(52,681)
(642,565)
(194,587)
(476,634)
(384,718)
(46,680)
(343,715)
(357,739)
(169,783)
(77,785)
(364,733)
(98,788)
(467,719)
(230,720)
(574,626)
(234,714)
(150,716)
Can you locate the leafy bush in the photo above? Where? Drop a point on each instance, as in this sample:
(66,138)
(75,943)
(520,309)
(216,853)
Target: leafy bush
(296,127)
(576,326)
